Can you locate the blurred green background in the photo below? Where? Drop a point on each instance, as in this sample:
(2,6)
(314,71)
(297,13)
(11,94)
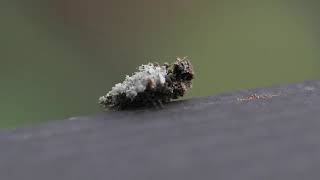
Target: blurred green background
(57,57)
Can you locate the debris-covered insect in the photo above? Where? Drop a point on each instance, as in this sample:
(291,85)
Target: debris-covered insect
(153,85)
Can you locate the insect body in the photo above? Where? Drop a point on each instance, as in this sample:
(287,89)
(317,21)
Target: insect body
(152,84)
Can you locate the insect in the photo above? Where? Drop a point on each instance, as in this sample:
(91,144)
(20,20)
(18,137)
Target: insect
(152,84)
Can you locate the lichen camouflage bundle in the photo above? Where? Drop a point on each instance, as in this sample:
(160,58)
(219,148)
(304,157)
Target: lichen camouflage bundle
(153,85)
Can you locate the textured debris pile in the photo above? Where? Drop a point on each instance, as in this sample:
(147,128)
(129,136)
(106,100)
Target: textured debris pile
(152,85)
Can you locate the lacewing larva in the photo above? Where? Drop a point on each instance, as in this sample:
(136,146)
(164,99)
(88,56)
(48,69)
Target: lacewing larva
(152,84)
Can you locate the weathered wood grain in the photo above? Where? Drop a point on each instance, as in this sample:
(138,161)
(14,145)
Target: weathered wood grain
(215,137)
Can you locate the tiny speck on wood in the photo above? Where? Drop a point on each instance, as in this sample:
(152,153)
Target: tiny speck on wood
(253,97)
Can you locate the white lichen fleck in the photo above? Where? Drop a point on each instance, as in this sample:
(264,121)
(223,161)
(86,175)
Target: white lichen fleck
(138,82)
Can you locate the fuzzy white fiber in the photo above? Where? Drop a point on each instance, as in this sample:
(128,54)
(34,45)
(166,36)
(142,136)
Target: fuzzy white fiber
(138,82)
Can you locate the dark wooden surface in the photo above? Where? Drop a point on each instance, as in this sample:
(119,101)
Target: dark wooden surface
(210,138)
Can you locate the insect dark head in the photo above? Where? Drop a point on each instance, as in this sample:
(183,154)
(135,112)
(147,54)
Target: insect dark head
(183,69)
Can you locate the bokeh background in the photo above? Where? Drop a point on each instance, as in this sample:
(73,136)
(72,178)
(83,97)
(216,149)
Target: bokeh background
(58,56)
